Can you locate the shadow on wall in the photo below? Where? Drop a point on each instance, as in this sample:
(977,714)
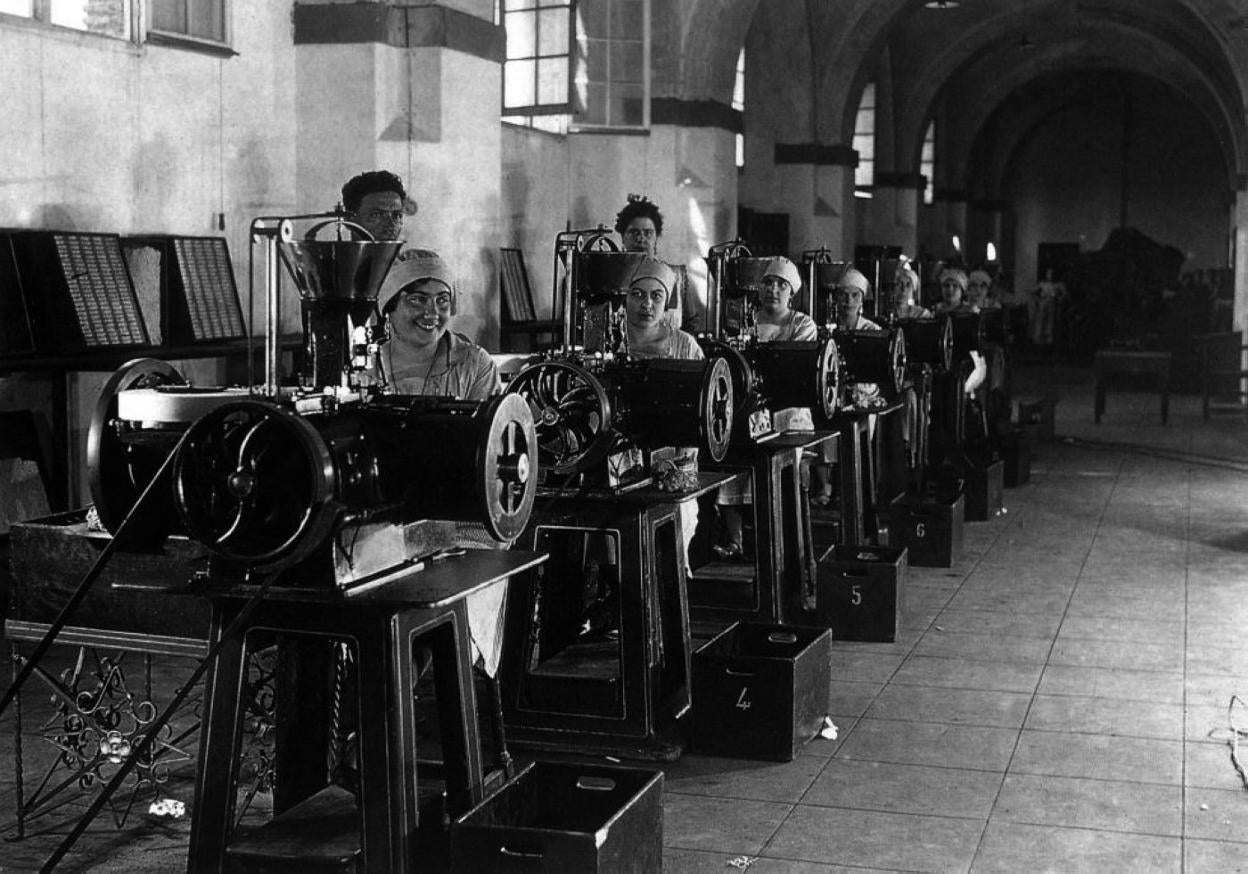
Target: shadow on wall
(61,217)
(489,301)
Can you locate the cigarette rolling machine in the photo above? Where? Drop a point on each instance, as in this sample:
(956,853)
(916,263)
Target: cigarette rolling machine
(335,474)
(766,376)
(597,643)
(599,411)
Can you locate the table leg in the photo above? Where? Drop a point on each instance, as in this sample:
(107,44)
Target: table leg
(1098,405)
(1165,398)
(213,813)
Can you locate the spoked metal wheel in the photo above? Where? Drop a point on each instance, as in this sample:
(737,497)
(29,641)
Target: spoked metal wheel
(507,462)
(717,409)
(829,379)
(253,483)
(571,413)
(122,459)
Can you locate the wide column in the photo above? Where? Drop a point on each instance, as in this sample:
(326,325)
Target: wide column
(415,90)
(814,183)
(894,211)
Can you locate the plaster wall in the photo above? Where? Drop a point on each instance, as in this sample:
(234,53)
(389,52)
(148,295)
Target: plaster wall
(104,135)
(583,179)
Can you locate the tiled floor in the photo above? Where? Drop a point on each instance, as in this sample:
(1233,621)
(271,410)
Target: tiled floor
(1057,701)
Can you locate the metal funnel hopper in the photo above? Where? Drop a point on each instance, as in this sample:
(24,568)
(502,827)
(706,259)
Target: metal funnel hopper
(341,270)
(604,275)
(744,275)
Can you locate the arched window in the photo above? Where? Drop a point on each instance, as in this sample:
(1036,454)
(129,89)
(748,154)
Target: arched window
(927,162)
(738,103)
(864,142)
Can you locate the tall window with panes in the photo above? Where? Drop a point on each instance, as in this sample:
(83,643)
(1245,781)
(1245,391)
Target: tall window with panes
(577,63)
(927,162)
(537,71)
(613,63)
(864,142)
(195,20)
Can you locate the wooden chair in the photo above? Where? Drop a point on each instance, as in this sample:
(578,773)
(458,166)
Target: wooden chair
(519,316)
(1222,373)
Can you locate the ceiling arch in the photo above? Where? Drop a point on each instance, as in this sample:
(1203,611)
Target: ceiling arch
(983,64)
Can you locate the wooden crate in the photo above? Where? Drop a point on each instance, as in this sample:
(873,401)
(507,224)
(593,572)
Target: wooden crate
(556,817)
(760,691)
(860,591)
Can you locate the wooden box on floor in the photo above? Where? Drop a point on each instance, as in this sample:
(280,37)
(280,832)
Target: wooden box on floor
(1015,445)
(860,592)
(984,489)
(929,526)
(1039,415)
(50,557)
(760,691)
(555,817)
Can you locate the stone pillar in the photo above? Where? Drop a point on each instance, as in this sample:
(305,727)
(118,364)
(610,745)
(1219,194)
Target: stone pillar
(895,211)
(415,90)
(1239,224)
(949,217)
(816,181)
(985,223)
(692,150)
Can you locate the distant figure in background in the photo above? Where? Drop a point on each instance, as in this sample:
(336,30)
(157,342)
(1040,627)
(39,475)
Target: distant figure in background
(852,289)
(1044,315)
(775,322)
(377,201)
(953,284)
(640,226)
(903,299)
(978,292)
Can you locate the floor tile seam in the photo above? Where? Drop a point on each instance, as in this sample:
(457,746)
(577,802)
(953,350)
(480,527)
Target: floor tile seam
(930,765)
(945,722)
(1187,559)
(1089,828)
(1170,739)
(1108,667)
(864,868)
(1012,691)
(1035,690)
(838,757)
(684,793)
(1124,700)
(877,809)
(849,865)
(979,659)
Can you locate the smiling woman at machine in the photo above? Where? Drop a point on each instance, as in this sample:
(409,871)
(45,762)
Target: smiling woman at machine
(423,355)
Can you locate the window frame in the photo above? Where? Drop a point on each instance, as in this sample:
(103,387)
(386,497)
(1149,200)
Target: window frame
(865,165)
(41,16)
(139,27)
(523,115)
(927,161)
(738,103)
(579,126)
(174,39)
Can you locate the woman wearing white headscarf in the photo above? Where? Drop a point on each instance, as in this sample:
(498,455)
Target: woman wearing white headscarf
(775,321)
(905,294)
